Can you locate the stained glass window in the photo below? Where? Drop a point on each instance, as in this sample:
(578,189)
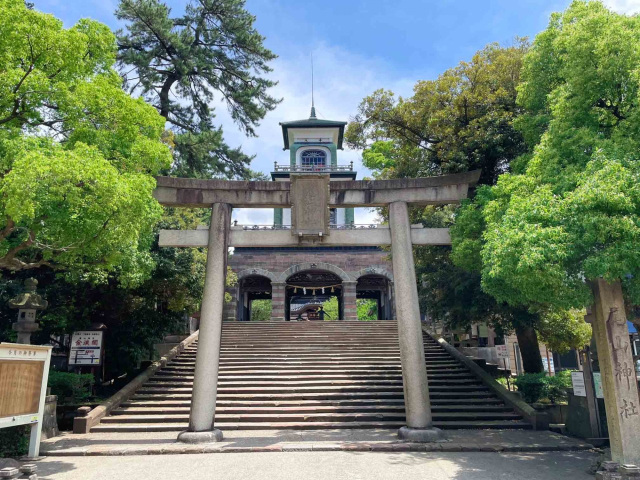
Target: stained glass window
(313,158)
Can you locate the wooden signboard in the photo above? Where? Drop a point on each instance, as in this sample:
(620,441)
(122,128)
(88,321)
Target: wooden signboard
(23,383)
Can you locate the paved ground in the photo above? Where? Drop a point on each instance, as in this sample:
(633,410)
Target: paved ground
(324,465)
(308,440)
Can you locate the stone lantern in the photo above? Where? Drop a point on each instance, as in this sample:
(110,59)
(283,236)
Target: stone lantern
(27,303)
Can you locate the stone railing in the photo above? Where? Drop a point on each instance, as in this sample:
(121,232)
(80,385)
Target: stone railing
(312,168)
(332,226)
(264,227)
(88,418)
(355,226)
(539,420)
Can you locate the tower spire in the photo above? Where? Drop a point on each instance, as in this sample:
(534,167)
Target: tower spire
(313,106)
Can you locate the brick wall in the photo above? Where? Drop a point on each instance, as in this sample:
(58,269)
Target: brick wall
(277,261)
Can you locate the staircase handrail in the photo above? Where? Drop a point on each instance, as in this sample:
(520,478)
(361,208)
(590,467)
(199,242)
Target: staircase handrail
(83,424)
(539,420)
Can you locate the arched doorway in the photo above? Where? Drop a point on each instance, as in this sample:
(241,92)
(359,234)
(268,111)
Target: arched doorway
(307,290)
(250,289)
(377,289)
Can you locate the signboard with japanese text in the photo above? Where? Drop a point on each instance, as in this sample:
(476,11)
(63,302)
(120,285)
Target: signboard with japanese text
(502,351)
(597,384)
(547,363)
(86,348)
(24,370)
(577,381)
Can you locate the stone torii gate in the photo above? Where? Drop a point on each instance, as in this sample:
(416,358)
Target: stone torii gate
(308,195)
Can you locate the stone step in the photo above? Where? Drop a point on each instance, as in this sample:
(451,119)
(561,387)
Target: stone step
(312,375)
(173,376)
(316,389)
(284,396)
(299,409)
(178,427)
(374,415)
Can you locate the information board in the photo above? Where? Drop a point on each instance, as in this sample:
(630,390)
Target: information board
(23,383)
(577,380)
(502,351)
(86,348)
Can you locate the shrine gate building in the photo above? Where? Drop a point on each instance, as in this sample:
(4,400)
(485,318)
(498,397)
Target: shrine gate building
(295,277)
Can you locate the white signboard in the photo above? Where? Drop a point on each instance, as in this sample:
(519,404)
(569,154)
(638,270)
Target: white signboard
(577,380)
(502,351)
(86,348)
(547,363)
(597,385)
(24,370)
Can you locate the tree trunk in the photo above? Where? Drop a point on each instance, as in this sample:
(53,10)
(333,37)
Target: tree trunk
(529,349)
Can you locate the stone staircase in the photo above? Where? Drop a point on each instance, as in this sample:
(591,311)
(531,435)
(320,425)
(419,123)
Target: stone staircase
(312,375)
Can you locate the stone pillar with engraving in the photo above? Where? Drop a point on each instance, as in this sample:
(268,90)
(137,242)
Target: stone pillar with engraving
(278,294)
(619,381)
(350,309)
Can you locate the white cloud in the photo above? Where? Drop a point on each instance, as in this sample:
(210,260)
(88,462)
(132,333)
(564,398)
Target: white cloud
(628,7)
(342,80)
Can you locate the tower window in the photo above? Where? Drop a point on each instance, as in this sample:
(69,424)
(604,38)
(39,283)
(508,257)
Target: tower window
(313,158)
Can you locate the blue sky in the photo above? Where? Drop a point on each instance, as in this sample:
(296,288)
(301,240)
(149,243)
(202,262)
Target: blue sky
(358,46)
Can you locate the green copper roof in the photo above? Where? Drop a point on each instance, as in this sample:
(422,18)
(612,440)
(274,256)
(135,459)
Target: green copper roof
(312,122)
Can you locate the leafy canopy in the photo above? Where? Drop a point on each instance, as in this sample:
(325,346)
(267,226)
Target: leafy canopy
(461,121)
(76,152)
(181,64)
(572,211)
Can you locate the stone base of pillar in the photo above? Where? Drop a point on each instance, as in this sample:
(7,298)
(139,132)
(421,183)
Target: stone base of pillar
(420,435)
(209,436)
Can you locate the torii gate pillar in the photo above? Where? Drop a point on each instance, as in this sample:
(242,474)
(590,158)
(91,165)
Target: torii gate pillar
(205,379)
(414,371)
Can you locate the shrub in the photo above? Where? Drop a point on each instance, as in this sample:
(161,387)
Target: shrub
(14,441)
(71,388)
(531,386)
(557,386)
(537,386)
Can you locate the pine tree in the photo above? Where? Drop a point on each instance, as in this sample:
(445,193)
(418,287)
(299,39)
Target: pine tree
(181,64)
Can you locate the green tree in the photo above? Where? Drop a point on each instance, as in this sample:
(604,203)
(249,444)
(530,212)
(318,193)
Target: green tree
(260,310)
(331,310)
(182,63)
(367,309)
(463,120)
(77,153)
(571,211)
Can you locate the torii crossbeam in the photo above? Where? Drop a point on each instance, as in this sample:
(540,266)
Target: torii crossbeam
(310,196)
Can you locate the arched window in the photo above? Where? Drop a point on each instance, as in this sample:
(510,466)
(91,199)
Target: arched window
(313,158)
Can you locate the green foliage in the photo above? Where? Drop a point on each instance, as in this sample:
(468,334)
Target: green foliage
(260,310)
(562,330)
(71,388)
(14,441)
(331,310)
(573,210)
(76,152)
(461,121)
(181,64)
(531,386)
(558,385)
(538,386)
(367,309)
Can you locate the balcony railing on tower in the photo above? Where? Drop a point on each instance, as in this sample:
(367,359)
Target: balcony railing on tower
(312,168)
